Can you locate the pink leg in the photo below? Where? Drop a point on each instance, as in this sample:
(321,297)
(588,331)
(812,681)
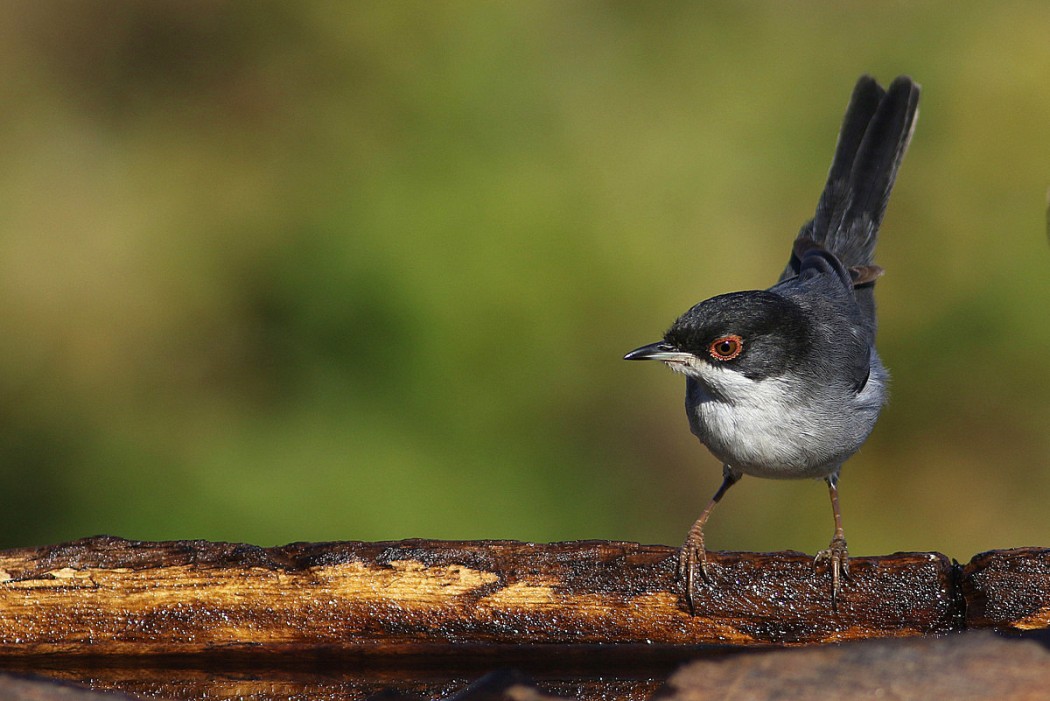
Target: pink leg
(693,554)
(836,554)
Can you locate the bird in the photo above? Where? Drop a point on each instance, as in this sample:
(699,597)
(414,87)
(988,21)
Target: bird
(785,382)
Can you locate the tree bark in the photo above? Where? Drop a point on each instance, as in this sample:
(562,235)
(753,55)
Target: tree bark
(103,596)
(1008,590)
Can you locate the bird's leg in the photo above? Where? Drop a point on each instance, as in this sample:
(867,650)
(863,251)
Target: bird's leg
(836,554)
(693,554)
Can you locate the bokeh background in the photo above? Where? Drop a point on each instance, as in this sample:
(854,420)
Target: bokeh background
(278,271)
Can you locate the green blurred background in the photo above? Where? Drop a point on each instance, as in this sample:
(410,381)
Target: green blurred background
(306,270)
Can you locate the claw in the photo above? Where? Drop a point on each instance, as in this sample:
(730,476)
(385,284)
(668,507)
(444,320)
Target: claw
(693,553)
(691,557)
(837,556)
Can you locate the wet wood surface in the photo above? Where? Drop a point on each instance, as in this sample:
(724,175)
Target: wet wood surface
(348,620)
(104,596)
(1008,589)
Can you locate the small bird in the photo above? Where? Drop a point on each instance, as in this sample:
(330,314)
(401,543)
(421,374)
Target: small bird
(785,383)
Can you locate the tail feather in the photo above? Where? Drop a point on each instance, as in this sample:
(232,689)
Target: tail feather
(864,102)
(874,136)
(880,153)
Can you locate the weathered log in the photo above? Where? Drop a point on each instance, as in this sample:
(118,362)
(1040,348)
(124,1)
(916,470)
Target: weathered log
(1008,589)
(108,596)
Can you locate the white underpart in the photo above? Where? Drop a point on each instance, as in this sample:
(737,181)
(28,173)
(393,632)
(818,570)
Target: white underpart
(761,428)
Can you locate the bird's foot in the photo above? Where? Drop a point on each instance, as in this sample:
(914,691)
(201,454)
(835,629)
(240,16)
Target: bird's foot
(692,560)
(837,557)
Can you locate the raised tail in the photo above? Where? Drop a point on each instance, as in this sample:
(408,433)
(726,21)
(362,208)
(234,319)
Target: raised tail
(874,136)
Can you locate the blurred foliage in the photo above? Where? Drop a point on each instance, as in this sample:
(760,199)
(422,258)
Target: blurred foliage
(365,270)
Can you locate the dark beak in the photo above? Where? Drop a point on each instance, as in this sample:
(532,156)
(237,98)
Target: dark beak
(661,350)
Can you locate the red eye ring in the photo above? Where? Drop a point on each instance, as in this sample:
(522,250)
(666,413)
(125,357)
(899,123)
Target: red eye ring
(726,348)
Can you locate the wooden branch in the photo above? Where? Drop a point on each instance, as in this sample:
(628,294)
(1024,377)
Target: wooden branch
(197,619)
(102,596)
(1008,589)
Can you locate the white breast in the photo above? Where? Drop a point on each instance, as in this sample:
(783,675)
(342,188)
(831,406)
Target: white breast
(761,428)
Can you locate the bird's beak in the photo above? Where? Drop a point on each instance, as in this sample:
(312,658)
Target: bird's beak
(661,350)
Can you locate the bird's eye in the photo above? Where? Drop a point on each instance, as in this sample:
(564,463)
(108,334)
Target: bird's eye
(726,347)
